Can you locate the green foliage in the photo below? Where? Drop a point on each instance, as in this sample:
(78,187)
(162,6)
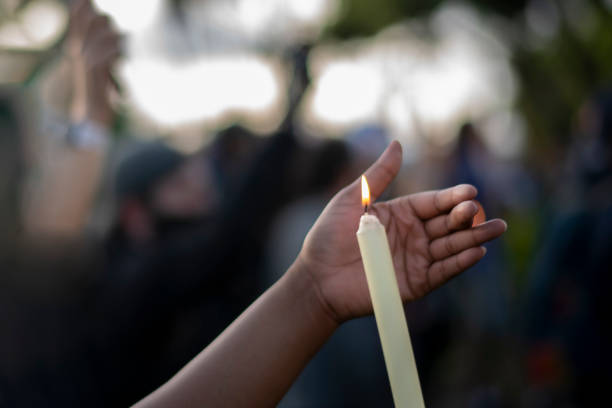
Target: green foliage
(557,78)
(364,17)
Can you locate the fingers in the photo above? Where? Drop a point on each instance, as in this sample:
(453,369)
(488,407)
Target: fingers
(380,174)
(442,271)
(98,44)
(81,15)
(97,26)
(432,203)
(102,51)
(460,217)
(88,29)
(457,242)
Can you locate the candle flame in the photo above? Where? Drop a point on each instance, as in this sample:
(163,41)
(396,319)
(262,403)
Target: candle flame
(365,192)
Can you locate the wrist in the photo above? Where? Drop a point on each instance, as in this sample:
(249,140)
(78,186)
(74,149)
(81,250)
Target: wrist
(301,285)
(98,100)
(101,116)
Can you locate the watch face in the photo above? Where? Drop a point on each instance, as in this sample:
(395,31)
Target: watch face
(87,135)
(480,216)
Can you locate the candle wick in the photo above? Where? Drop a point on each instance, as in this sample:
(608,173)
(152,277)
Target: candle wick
(366,209)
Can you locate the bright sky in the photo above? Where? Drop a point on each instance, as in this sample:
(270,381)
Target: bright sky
(212,70)
(415,86)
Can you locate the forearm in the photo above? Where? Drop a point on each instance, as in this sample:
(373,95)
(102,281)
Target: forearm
(63,200)
(256,359)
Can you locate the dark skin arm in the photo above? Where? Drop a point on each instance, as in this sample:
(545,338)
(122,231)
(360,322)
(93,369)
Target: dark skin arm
(255,360)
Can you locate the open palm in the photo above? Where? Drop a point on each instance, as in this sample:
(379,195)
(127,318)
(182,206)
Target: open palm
(430,235)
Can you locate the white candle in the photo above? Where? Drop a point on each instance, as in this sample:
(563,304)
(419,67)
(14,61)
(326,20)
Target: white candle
(388,310)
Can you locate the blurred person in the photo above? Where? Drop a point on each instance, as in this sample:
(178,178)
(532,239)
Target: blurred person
(43,288)
(12,122)
(159,190)
(482,298)
(366,143)
(232,152)
(175,280)
(61,192)
(326,167)
(568,357)
(456,324)
(49,263)
(166,203)
(254,361)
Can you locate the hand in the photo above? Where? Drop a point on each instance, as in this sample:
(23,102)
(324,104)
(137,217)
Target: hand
(93,47)
(430,235)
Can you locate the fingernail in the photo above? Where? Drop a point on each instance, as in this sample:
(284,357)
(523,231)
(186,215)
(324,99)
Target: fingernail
(505,225)
(468,207)
(474,207)
(484,250)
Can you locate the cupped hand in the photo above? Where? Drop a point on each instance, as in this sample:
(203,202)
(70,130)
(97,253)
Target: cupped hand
(430,236)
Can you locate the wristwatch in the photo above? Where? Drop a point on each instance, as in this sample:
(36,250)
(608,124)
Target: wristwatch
(87,135)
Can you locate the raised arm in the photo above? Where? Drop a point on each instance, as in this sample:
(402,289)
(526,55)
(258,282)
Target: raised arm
(62,203)
(255,360)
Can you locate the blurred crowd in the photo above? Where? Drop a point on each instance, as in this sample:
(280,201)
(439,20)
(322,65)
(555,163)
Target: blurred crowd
(120,259)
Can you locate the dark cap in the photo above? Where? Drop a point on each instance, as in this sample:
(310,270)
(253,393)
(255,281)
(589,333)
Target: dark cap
(138,172)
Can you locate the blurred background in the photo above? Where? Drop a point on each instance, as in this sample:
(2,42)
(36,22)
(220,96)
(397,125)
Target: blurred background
(161,162)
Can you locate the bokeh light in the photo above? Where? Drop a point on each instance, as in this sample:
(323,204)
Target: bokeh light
(411,84)
(133,15)
(35,27)
(172,94)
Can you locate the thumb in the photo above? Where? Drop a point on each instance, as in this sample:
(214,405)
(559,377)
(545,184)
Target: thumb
(380,174)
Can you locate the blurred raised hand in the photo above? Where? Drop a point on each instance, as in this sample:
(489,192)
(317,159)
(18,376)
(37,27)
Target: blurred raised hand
(62,199)
(430,235)
(93,47)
